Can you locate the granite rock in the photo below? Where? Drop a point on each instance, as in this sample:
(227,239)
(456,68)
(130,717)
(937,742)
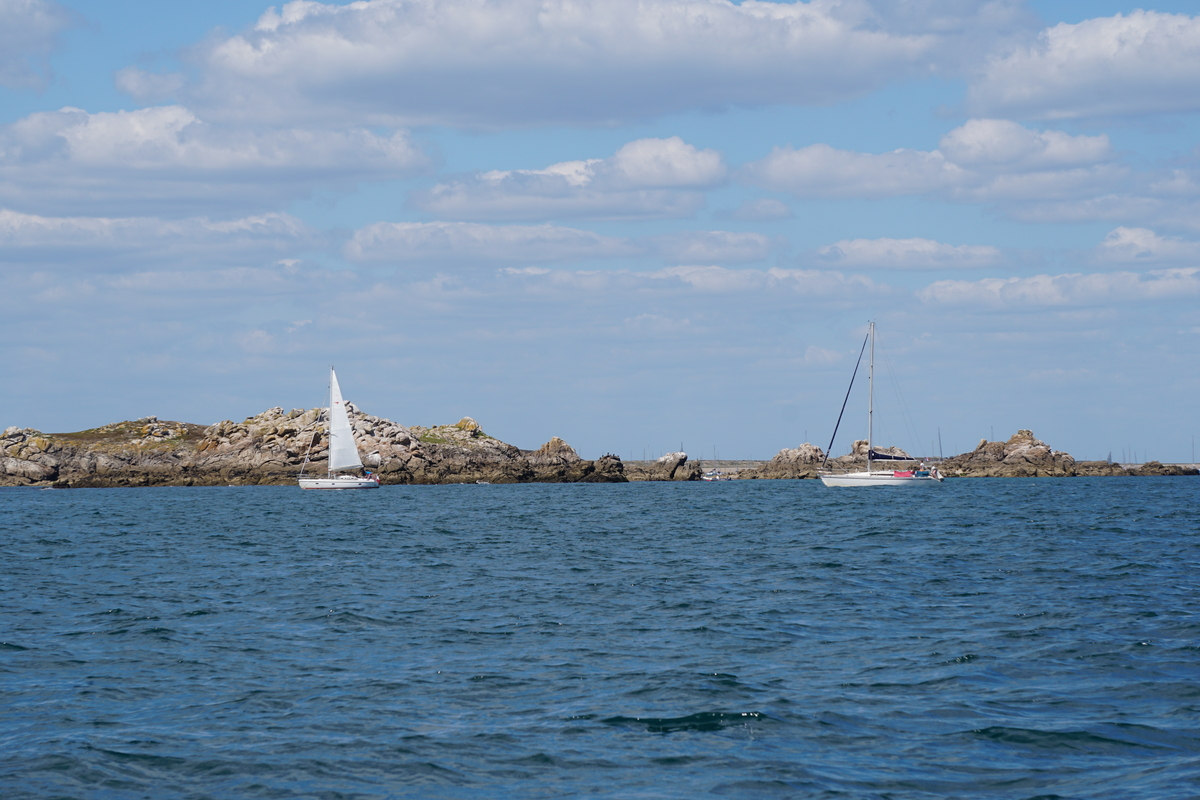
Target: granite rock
(1155,468)
(789,463)
(671,467)
(1022,456)
(273,447)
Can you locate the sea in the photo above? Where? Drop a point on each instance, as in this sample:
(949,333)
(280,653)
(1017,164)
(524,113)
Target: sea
(1003,638)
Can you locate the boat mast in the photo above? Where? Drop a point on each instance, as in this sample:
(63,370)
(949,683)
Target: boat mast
(329,428)
(871,397)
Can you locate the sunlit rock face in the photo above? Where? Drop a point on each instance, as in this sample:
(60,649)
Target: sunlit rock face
(670,467)
(1022,456)
(274,446)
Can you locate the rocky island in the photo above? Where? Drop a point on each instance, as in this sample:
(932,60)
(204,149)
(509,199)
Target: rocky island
(271,448)
(1022,456)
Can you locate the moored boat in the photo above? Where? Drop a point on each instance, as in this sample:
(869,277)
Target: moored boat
(873,477)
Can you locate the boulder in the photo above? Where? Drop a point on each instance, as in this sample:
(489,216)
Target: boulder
(19,471)
(555,452)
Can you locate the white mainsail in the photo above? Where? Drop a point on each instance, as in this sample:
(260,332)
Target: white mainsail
(343,454)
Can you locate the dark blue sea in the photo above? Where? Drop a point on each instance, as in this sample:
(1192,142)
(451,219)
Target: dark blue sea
(978,639)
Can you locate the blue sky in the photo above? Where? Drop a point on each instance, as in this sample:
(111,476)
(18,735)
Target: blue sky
(631,225)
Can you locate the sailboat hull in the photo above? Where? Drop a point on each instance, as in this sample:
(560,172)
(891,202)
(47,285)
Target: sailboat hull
(878,479)
(339,482)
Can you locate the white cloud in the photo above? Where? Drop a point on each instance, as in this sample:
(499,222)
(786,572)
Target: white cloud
(991,144)
(1139,245)
(981,161)
(1162,211)
(908,254)
(149,87)
(521,62)
(29,31)
(656,178)
(90,244)
(1073,289)
(823,171)
(465,242)
(712,247)
(475,243)
(1143,62)
(162,157)
(707,280)
(661,164)
(1018,188)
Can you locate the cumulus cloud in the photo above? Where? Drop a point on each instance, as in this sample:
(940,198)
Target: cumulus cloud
(712,247)
(470,242)
(657,178)
(163,157)
(823,171)
(1139,245)
(984,160)
(908,254)
(465,242)
(1143,62)
(90,244)
(660,164)
(29,31)
(707,280)
(1002,144)
(1073,289)
(471,62)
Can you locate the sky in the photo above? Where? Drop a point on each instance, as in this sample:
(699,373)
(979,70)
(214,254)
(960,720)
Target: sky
(637,226)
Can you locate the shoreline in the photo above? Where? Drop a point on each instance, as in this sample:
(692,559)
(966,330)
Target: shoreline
(271,448)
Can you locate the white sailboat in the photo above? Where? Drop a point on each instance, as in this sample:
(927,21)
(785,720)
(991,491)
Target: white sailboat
(343,452)
(873,477)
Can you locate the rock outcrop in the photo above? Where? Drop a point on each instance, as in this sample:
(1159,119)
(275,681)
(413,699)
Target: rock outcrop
(271,448)
(1098,468)
(805,461)
(1025,456)
(1022,456)
(671,467)
(1155,468)
(789,463)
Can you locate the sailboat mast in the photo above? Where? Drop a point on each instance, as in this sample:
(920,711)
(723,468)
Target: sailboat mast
(871,398)
(329,427)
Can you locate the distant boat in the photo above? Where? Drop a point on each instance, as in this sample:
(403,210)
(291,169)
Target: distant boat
(343,452)
(872,477)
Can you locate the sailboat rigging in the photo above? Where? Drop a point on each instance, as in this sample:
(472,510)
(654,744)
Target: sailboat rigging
(872,477)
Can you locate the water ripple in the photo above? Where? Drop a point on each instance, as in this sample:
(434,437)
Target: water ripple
(996,639)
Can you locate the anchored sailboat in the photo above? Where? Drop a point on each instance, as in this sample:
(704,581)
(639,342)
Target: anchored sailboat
(343,452)
(872,477)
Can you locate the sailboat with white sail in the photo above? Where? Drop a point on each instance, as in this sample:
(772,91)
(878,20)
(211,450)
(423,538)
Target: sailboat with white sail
(343,452)
(871,476)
